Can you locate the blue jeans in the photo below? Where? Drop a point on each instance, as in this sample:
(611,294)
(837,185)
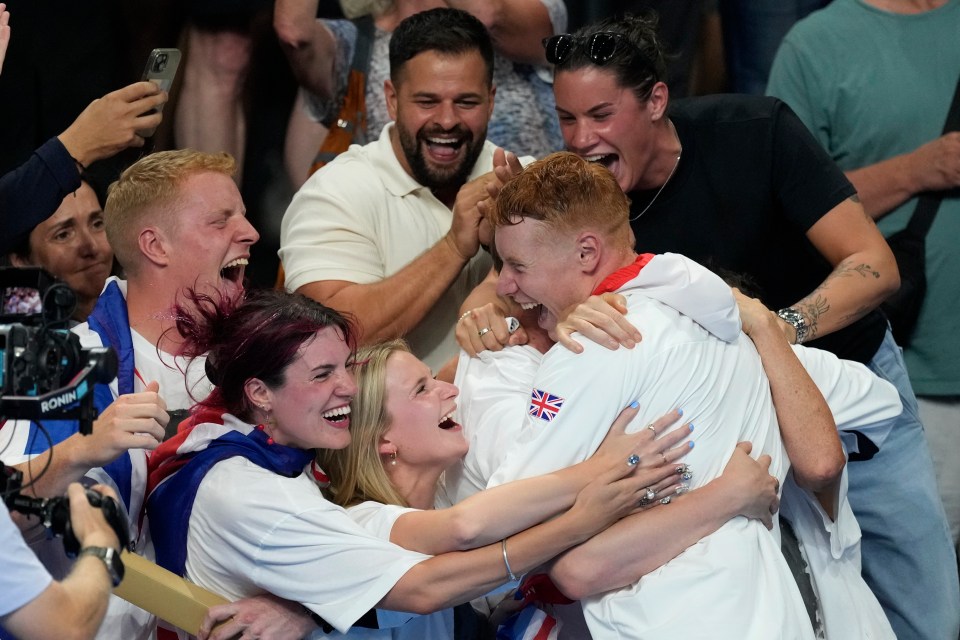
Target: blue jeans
(908,557)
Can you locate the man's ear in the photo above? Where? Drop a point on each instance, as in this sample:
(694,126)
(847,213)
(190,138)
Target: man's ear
(390,94)
(589,250)
(154,245)
(657,102)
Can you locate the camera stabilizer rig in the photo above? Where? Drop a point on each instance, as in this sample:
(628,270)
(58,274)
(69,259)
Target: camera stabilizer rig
(46,375)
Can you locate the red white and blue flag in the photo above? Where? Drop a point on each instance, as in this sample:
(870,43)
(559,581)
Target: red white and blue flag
(544,406)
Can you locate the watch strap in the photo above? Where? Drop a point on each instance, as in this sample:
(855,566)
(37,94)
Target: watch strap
(110,558)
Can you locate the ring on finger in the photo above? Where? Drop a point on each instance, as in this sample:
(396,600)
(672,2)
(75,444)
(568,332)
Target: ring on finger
(643,501)
(633,460)
(652,430)
(666,500)
(483,332)
(465,315)
(649,494)
(664,457)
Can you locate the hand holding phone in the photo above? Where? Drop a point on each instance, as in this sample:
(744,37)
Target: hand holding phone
(161,69)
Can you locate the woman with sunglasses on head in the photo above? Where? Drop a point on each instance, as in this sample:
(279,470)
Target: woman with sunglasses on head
(737,182)
(232,509)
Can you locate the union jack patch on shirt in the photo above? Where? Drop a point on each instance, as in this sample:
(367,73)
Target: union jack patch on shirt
(544,405)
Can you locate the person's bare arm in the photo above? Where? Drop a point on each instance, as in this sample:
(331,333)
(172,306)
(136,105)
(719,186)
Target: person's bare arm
(308,44)
(516,26)
(642,542)
(445,580)
(4,32)
(884,186)
(806,424)
(864,271)
(392,307)
(110,124)
(495,513)
(75,606)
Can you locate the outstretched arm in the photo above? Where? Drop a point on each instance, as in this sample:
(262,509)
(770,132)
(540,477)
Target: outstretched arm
(642,542)
(74,607)
(308,44)
(495,513)
(4,32)
(806,424)
(516,26)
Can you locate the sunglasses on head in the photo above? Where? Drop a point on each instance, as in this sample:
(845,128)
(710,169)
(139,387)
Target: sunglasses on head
(599,47)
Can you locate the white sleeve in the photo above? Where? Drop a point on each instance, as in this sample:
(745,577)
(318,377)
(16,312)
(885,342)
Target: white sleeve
(377,518)
(858,399)
(280,536)
(329,231)
(694,291)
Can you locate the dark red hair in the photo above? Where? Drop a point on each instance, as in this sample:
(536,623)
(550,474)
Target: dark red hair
(257,336)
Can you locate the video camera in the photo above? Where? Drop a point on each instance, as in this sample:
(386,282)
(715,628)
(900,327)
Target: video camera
(46,375)
(44,372)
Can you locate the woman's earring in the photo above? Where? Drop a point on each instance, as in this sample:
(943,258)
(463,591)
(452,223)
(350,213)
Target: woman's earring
(393,458)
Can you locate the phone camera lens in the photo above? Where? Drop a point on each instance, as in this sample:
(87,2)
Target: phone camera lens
(161,63)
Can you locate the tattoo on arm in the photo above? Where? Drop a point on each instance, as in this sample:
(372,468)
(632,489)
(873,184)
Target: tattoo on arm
(812,308)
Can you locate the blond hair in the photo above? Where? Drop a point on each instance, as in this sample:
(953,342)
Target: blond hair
(356,472)
(149,187)
(566,193)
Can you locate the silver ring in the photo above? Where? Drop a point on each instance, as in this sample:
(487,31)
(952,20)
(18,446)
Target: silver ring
(633,460)
(649,494)
(483,331)
(643,501)
(654,431)
(666,500)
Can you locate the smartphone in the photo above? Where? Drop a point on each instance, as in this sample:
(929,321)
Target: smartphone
(161,69)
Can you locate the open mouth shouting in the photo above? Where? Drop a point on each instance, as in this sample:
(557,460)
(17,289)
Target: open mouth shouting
(232,275)
(446,146)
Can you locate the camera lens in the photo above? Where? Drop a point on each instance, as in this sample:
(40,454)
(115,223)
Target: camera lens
(161,63)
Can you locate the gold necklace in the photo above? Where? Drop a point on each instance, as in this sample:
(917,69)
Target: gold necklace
(667,181)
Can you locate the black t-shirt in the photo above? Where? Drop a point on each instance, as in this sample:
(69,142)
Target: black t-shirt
(751,181)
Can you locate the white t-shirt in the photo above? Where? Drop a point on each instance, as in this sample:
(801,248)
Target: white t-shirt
(361,219)
(253,531)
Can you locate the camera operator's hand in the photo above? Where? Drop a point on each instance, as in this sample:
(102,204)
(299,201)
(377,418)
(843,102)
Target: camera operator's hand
(89,525)
(132,421)
(73,607)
